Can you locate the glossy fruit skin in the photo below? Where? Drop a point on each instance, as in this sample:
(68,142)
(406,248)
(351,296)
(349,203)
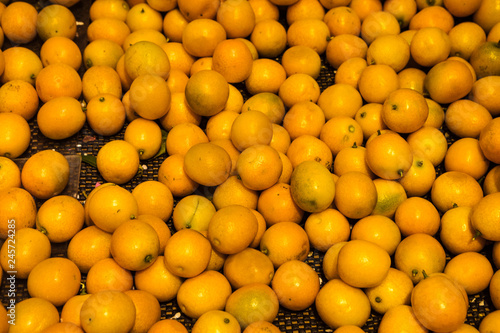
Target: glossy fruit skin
(439,303)
(484,59)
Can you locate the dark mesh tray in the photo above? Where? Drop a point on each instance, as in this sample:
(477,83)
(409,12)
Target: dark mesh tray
(87,142)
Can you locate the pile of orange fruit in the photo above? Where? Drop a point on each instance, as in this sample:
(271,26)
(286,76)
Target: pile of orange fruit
(389,171)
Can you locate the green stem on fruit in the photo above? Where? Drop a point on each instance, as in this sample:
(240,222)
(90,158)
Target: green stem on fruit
(414,272)
(476,235)
(424,274)
(149,258)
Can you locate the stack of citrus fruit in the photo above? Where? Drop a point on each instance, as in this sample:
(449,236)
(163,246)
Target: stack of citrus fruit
(337,161)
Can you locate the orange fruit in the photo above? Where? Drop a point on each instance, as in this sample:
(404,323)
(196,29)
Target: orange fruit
(285,241)
(54,279)
(63,327)
(251,128)
(465,155)
(401,316)
(109,8)
(365,7)
(304,9)
(468,112)
(17,205)
(484,92)
(269,37)
(259,167)
(172,325)
(34,313)
(344,47)
(449,188)
(382,158)
(296,284)
(403,10)
(150,96)
(306,148)
(472,270)
(412,78)
(446,74)
(390,194)
(19,22)
(143,16)
(490,322)
(218,320)
(266,102)
(417,215)
(355,194)
(360,256)
(88,246)
(195,299)
(45,174)
(165,285)
(379,230)
(183,136)
(340,100)
(482,15)
(232,58)
(280,139)
(297,88)
(348,329)
(392,50)
(301,59)
(350,70)
(100,79)
(201,36)
(419,253)
(111,310)
(32,247)
(20,63)
(154,198)
(16,135)
(458,9)
(435,296)
(102,52)
(19,96)
(61,118)
(201,95)
(457,233)
(464,38)
(145,135)
(342,20)
(277,205)
(58,79)
(10,174)
(483,214)
(55,20)
(147,307)
(237,17)
(429,142)
(106,274)
(105,114)
(376,82)
(207,164)
(491,183)
(118,161)
(341,132)
(488,139)
(330,261)
(135,245)
(311,32)
(253,302)
(117,30)
(187,253)
(493,288)
(335,303)
(394,290)
(60,218)
(351,159)
(232,229)
(203,9)
(264,9)
(248,266)
(369,117)
(172,174)
(430,38)
(233,191)
(262,326)
(405,110)
(179,111)
(379,23)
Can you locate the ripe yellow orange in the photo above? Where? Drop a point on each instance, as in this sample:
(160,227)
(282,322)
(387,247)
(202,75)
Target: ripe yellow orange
(390,194)
(111,310)
(54,279)
(143,16)
(16,135)
(344,47)
(100,79)
(392,50)
(405,110)
(19,22)
(187,253)
(301,59)
(10,174)
(207,164)
(207,92)
(401,316)
(412,78)
(340,99)
(34,313)
(118,161)
(483,214)
(488,139)
(61,49)
(58,79)
(466,118)
(379,23)
(112,29)
(376,82)
(342,20)
(472,270)
(417,215)
(491,183)
(88,246)
(442,81)
(285,241)
(369,117)
(378,229)
(253,302)
(335,303)
(419,253)
(20,63)
(248,266)
(109,8)
(466,155)
(195,299)
(464,38)
(170,325)
(201,36)
(237,17)
(150,96)
(203,9)
(449,188)
(266,102)
(106,274)
(382,158)
(55,20)
(19,96)
(218,320)
(105,114)
(158,280)
(45,174)
(269,37)
(172,174)
(429,142)
(61,118)
(340,132)
(277,205)
(232,191)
